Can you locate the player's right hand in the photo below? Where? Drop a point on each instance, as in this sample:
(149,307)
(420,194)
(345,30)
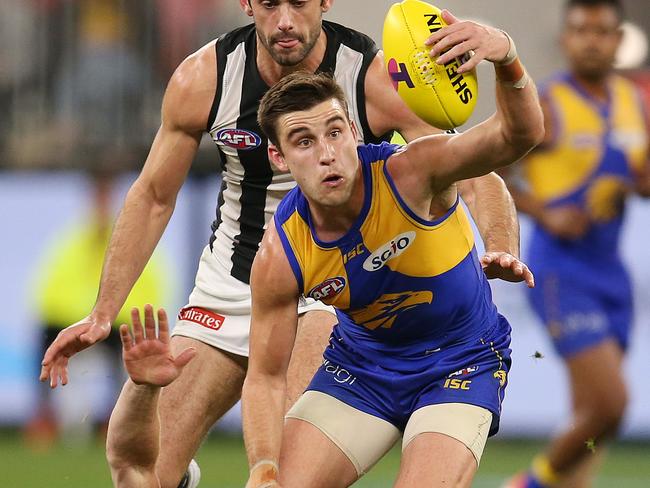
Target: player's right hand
(568,222)
(459,37)
(71,340)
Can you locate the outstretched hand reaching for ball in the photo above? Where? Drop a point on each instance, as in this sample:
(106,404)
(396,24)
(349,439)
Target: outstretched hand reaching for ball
(147,356)
(506,267)
(462,36)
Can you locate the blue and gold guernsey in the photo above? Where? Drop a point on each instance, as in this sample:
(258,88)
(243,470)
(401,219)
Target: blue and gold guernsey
(590,164)
(410,294)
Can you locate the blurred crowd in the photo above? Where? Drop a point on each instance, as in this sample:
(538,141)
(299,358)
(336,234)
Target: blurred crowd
(80,77)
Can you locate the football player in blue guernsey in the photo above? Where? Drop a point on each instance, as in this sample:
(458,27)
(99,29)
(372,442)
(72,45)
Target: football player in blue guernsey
(419,349)
(576,183)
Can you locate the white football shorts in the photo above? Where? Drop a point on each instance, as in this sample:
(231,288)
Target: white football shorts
(218,312)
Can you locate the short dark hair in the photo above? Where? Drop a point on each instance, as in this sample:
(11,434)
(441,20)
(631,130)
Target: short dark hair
(295,92)
(616,5)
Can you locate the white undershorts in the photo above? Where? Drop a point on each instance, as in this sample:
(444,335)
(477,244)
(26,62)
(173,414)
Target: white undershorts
(218,312)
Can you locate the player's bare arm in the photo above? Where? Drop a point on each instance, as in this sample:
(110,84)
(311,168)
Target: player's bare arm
(567,221)
(642,175)
(515,128)
(147,208)
(495,216)
(273,331)
(133,440)
(500,233)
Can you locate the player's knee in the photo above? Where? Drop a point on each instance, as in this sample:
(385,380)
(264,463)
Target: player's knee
(121,468)
(606,414)
(117,461)
(612,413)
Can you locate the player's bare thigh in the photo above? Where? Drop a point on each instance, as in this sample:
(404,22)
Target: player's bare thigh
(309,458)
(329,444)
(208,387)
(443,444)
(436,460)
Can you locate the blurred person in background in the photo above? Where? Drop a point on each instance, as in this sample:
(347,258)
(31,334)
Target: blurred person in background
(574,186)
(217,90)
(17,59)
(182,22)
(99,88)
(68,288)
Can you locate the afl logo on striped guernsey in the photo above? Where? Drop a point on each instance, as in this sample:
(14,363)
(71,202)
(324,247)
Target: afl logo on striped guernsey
(241,139)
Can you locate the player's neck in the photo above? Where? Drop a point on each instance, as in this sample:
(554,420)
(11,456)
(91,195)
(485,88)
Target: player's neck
(271,72)
(597,88)
(330,223)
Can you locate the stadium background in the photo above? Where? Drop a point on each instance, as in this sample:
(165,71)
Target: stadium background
(80,89)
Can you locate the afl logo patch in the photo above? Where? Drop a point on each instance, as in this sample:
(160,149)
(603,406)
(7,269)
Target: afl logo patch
(240,139)
(328,288)
(388,251)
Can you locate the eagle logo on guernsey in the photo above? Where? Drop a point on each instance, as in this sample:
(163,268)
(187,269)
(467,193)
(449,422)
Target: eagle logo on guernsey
(384,311)
(240,139)
(396,246)
(327,289)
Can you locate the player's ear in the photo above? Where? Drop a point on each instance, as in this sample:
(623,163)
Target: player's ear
(246,7)
(619,35)
(325,5)
(276,157)
(355,132)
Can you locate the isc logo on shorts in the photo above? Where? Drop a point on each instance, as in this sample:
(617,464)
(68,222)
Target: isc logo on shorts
(203,317)
(456,384)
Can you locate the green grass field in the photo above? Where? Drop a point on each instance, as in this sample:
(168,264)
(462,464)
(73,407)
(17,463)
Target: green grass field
(223,465)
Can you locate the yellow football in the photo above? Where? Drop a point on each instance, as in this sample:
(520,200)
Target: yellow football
(438,94)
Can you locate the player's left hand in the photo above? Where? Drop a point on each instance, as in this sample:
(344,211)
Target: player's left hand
(642,182)
(462,36)
(506,267)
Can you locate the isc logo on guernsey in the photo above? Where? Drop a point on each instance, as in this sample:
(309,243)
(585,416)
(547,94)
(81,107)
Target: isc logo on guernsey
(388,251)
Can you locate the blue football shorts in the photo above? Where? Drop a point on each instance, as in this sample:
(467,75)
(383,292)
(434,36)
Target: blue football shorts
(581,312)
(474,372)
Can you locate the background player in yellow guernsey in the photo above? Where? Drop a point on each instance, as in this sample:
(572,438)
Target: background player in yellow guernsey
(594,154)
(419,347)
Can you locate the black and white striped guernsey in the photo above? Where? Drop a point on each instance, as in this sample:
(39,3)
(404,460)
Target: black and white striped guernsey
(252,187)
